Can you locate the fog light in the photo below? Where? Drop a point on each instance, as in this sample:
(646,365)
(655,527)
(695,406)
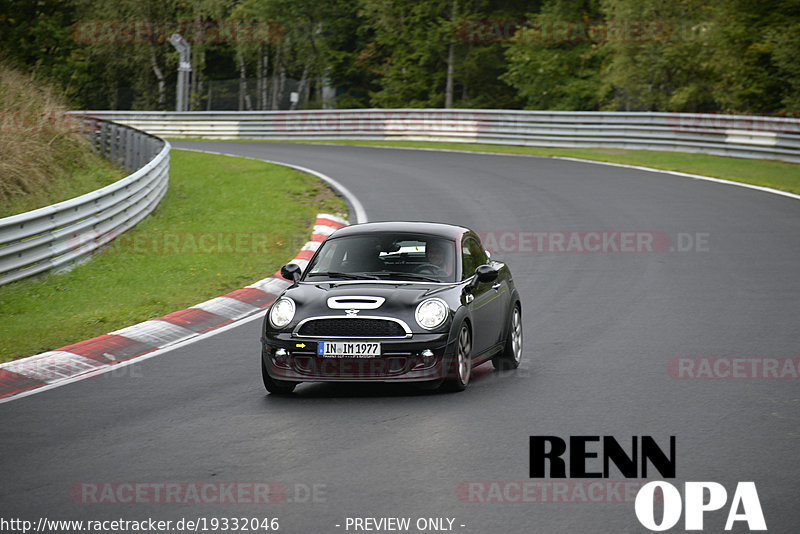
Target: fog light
(280,355)
(428,358)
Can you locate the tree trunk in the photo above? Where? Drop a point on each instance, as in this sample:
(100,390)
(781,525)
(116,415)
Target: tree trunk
(244,97)
(274,85)
(162,87)
(278,78)
(196,100)
(242,82)
(262,78)
(281,85)
(451,54)
(301,88)
(265,81)
(448,91)
(194,86)
(259,82)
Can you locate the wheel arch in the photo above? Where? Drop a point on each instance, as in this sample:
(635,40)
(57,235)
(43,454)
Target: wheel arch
(515,301)
(462,315)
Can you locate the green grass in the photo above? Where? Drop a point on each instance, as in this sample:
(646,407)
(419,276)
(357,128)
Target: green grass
(767,173)
(165,263)
(85,173)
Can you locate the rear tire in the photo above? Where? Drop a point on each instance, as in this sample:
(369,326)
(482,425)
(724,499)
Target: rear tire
(276,387)
(459,369)
(512,352)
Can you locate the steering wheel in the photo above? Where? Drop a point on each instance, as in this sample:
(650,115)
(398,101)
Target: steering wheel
(430,268)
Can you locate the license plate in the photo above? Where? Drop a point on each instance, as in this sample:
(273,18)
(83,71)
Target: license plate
(348,349)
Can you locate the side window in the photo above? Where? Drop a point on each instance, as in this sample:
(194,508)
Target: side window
(472,256)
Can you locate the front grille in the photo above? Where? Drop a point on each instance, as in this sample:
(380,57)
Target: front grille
(364,368)
(351,327)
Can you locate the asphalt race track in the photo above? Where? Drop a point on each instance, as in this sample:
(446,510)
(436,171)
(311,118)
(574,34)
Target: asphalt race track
(601,328)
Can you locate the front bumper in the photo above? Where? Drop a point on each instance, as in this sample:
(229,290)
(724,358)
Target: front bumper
(401,360)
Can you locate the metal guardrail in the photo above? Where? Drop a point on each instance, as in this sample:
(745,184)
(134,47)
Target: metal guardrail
(726,135)
(60,235)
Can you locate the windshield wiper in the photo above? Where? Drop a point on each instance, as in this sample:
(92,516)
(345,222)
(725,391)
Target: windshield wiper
(349,276)
(413,276)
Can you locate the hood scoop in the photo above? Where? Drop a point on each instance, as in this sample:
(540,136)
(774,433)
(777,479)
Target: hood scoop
(355,303)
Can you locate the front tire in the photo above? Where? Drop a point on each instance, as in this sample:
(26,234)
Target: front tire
(276,387)
(459,370)
(512,352)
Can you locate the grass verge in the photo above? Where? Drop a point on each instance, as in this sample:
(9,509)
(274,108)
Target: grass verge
(766,173)
(224,223)
(83,172)
(43,158)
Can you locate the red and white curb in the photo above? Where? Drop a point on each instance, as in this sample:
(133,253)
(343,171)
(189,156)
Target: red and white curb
(95,355)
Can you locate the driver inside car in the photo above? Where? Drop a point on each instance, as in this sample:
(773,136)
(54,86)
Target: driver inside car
(440,256)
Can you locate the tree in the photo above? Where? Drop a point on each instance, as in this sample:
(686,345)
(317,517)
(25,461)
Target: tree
(125,43)
(662,60)
(785,45)
(35,36)
(434,54)
(756,54)
(554,60)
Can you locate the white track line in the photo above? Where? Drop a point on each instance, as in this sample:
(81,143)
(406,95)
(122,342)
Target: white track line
(361,217)
(157,352)
(358,208)
(257,314)
(581,160)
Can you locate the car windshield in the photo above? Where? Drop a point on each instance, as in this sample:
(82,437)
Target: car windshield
(414,257)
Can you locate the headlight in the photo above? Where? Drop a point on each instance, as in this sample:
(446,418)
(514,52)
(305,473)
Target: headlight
(281,312)
(431,313)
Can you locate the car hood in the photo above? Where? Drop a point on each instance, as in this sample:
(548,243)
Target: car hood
(313,297)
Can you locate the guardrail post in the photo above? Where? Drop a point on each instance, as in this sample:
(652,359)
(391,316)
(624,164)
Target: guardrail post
(103,140)
(129,150)
(112,143)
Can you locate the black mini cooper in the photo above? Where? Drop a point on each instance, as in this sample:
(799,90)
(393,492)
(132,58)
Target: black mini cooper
(393,301)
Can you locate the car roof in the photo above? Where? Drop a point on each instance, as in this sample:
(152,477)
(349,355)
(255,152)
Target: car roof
(448,231)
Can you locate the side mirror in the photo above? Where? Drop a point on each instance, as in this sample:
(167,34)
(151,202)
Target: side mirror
(483,274)
(486,273)
(291,271)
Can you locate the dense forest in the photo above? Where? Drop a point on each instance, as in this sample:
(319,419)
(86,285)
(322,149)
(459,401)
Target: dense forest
(679,55)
